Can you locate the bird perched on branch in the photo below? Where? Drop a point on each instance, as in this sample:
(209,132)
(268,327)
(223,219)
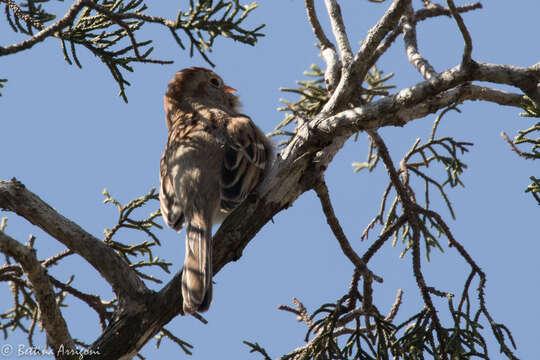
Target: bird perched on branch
(215,156)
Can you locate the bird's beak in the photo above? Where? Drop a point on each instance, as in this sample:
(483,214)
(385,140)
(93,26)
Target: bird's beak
(229,89)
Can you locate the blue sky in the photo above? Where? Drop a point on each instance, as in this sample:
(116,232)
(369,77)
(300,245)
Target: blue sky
(67,136)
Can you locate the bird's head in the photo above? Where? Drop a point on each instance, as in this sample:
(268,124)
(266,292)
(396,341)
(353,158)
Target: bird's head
(201,85)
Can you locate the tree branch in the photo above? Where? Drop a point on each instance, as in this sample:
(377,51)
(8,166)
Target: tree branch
(409,210)
(295,171)
(322,192)
(338,28)
(435,11)
(123,280)
(418,16)
(463,29)
(526,79)
(48,31)
(51,319)
(427,97)
(423,66)
(377,33)
(328,50)
(353,74)
(316,25)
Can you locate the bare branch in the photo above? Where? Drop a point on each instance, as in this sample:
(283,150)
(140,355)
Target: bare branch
(411,46)
(419,15)
(395,307)
(91,300)
(376,35)
(514,147)
(466,36)
(353,74)
(125,283)
(409,210)
(382,239)
(328,50)
(338,28)
(53,260)
(526,79)
(316,25)
(428,97)
(51,319)
(435,11)
(324,197)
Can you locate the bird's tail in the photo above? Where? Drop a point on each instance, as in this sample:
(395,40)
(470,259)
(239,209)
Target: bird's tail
(197,271)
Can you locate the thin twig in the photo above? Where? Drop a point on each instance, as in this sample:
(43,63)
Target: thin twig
(395,307)
(46,32)
(117,20)
(50,316)
(322,192)
(383,238)
(466,36)
(514,147)
(328,50)
(338,28)
(418,16)
(91,300)
(20,14)
(411,46)
(53,260)
(435,11)
(302,312)
(410,210)
(316,25)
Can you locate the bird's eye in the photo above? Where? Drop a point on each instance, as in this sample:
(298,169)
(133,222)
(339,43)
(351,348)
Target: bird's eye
(214,82)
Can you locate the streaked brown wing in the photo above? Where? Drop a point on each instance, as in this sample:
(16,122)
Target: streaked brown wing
(179,131)
(247,157)
(169,204)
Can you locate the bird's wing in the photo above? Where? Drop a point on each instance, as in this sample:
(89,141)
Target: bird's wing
(171,207)
(168,201)
(248,154)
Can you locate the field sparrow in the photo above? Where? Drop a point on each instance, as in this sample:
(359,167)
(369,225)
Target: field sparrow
(215,156)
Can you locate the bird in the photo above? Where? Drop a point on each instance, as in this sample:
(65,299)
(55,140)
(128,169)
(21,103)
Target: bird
(214,157)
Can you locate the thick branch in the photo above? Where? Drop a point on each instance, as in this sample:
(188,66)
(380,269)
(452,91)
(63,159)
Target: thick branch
(526,79)
(428,97)
(51,319)
(125,283)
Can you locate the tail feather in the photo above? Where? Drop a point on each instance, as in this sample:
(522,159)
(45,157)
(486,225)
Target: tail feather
(197,271)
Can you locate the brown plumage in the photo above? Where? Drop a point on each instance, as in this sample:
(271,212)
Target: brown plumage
(214,158)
